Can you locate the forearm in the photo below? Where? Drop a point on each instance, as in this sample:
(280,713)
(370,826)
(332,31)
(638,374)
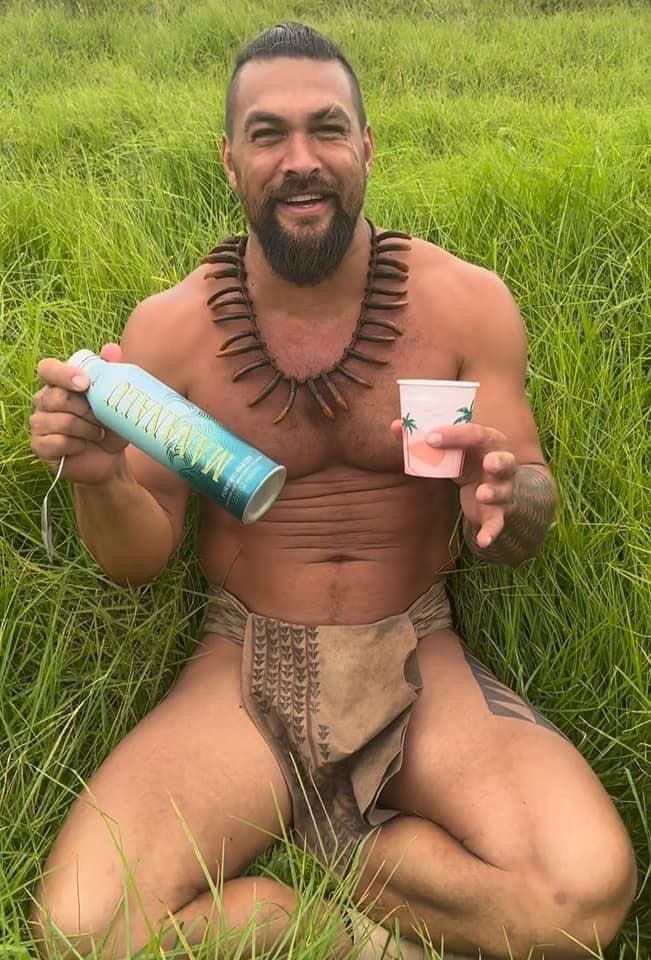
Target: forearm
(125,529)
(527,519)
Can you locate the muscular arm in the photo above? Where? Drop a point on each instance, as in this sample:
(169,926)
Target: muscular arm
(495,354)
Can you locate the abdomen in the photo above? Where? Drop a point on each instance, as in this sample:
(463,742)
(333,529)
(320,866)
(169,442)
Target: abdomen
(341,546)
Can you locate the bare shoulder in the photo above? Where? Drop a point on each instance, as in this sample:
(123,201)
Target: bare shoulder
(162,333)
(472,302)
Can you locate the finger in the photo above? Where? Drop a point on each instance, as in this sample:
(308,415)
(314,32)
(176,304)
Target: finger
(59,374)
(464,436)
(113,442)
(65,424)
(497,493)
(54,399)
(500,463)
(111,352)
(37,397)
(396,429)
(55,446)
(73,425)
(60,400)
(491,528)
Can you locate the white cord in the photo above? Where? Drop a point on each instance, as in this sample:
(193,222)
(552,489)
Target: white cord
(46,518)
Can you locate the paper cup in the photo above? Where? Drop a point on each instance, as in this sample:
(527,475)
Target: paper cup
(424,406)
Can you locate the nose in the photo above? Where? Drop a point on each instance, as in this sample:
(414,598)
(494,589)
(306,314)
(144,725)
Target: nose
(300,157)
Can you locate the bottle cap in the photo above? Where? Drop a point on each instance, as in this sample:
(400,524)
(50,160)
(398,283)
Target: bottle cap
(265,494)
(81,357)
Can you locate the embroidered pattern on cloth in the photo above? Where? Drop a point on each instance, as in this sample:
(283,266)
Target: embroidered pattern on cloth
(333,702)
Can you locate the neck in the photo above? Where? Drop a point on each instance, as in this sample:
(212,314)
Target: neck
(279,294)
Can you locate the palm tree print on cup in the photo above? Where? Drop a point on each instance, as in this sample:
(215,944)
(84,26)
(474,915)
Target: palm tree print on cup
(466,414)
(419,454)
(408,423)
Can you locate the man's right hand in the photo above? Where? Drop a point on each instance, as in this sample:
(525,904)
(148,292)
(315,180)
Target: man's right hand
(63,424)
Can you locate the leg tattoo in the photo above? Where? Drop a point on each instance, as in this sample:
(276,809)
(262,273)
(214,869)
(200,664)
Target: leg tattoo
(503,702)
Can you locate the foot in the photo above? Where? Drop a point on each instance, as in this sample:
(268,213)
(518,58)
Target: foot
(374,942)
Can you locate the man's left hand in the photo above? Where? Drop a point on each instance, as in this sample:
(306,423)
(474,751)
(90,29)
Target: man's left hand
(488,475)
(486,481)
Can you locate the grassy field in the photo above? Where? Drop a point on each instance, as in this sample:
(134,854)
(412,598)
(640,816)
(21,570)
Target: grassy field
(514,134)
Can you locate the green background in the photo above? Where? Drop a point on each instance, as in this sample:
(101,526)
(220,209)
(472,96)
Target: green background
(516,135)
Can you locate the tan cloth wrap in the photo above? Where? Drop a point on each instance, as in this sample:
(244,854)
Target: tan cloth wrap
(333,702)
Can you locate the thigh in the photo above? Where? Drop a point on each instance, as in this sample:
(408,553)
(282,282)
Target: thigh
(483,764)
(194,780)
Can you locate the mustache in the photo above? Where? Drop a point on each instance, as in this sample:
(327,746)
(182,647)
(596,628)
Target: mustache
(303,185)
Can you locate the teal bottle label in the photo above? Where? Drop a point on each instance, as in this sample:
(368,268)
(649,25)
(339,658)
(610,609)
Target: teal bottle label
(181,436)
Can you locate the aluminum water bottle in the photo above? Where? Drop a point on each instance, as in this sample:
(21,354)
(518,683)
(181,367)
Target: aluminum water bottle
(181,436)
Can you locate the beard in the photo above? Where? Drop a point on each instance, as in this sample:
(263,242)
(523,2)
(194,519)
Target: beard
(308,255)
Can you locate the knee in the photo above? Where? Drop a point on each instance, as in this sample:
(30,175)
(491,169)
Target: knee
(604,898)
(54,932)
(77,908)
(63,925)
(590,902)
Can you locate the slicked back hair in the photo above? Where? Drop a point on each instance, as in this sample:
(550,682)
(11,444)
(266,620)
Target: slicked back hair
(295,40)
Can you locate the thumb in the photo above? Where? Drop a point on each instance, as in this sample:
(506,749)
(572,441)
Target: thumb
(111,352)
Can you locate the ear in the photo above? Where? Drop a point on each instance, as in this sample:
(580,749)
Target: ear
(227,159)
(369,147)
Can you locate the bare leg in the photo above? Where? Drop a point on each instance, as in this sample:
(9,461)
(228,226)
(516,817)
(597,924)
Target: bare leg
(508,841)
(263,912)
(425,879)
(264,905)
(250,915)
(193,789)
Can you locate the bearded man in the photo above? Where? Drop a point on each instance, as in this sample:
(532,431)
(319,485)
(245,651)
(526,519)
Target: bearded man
(328,687)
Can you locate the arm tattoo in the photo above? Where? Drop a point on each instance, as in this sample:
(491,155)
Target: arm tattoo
(527,521)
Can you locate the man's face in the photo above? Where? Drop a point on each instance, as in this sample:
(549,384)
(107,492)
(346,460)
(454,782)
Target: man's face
(299,162)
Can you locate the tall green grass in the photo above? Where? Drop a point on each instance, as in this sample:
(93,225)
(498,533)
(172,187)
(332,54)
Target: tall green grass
(516,135)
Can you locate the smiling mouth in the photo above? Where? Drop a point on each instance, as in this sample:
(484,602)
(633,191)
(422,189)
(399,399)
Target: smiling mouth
(306,201)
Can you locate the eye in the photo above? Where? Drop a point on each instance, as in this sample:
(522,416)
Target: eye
(266,134)
(330,130)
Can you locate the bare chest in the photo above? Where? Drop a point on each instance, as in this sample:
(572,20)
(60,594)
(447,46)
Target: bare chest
(307,441)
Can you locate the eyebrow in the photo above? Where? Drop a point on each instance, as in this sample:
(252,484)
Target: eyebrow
(332,112)
(261,116)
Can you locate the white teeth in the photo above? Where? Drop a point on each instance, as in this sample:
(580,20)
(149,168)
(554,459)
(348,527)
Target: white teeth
(304,197)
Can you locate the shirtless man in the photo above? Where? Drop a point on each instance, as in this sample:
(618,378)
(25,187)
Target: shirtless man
(493,833)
